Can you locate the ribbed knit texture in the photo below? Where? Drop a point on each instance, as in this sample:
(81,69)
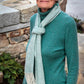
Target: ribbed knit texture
(59,41)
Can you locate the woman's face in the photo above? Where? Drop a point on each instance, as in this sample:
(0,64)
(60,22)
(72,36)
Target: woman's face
(45,3)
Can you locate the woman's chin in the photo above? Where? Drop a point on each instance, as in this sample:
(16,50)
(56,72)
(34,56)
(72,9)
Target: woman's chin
(44,7)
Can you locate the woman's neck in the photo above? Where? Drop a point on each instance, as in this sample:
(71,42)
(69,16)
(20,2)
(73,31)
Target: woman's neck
(44,9)
(43,13)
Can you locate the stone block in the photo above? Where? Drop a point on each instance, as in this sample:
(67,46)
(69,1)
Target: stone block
(26,11)
(3,36)
(1,21)
(8,16)
(26,30)
(15,49)
(18,32)
(18,39)
(4,43)
(23,55)
(3,40)
(14,27)
(14,3)
(15,33)
(26,43)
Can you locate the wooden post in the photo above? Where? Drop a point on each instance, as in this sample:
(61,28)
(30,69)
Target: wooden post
(62,4)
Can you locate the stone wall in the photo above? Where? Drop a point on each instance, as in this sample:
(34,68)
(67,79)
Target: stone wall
(15,27)
(14,42)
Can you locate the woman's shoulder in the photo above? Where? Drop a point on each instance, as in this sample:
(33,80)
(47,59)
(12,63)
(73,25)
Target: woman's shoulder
(70,23)
(67,18)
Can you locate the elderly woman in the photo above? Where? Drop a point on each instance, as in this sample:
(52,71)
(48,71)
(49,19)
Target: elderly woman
(53,36)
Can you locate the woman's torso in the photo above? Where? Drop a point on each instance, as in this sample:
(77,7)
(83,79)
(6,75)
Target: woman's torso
(53,48)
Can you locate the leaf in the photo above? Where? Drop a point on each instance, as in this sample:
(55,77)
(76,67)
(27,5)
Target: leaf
(6,76)
(11,81)
(11,69)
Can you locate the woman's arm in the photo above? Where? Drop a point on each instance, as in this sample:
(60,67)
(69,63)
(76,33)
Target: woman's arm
(72,54)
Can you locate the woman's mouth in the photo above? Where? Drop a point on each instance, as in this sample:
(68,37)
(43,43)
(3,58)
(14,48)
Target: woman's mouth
(44,1)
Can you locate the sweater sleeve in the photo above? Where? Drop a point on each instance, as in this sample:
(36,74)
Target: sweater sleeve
(72,54)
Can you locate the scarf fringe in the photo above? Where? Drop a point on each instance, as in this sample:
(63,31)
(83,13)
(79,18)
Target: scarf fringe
(30,78)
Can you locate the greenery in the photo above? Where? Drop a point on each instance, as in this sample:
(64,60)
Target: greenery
(76,19)
(11,69)
(79,28)
(79,31)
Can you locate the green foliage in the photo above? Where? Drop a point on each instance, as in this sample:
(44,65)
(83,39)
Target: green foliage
(10,68)
(76,19)
(79,31)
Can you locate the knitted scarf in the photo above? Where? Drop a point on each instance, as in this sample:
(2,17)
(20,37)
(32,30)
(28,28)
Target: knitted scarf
(33,54)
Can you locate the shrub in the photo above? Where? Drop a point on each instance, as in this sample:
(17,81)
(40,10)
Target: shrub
(11,69)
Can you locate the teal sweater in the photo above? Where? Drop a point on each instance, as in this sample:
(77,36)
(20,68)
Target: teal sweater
(59,41)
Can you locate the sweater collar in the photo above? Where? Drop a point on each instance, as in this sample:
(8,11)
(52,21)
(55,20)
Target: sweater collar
(44,14)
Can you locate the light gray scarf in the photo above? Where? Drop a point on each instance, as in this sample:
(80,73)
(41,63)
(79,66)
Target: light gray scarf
(33,54)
